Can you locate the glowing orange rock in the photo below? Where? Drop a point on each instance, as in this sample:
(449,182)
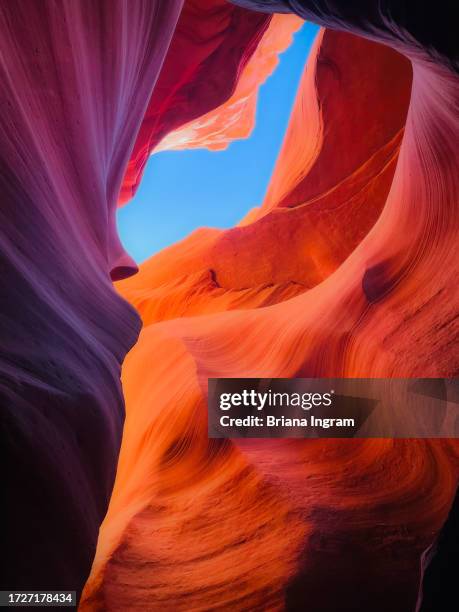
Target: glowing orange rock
(210,34)
(317,209)
(236,117)
(244,525)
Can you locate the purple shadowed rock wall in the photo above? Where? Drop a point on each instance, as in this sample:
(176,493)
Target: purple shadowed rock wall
(76,79)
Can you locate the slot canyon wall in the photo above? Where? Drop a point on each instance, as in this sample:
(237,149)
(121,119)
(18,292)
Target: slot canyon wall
(347,268)
(77,81)
(70,108)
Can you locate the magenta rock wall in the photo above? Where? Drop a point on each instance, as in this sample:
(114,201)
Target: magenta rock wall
(76,78)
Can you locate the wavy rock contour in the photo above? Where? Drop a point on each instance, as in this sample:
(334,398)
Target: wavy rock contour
(212,43)
(317,209)
(249,525)
(72,98)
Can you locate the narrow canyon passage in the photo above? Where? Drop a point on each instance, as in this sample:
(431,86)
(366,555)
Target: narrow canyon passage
(343,265)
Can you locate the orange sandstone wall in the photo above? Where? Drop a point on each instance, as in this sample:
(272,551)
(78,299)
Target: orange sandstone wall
(318,208)
(366,223)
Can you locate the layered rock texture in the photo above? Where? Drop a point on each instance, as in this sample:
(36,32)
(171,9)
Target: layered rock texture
(70,107)
(211,45)
(77,80)
(319,205)
(348,268)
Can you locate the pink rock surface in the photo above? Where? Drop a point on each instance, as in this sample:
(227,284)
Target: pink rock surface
(196,523)
(76,79)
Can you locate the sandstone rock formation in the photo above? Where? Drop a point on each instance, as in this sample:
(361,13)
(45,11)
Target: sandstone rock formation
(330,525)
(348,268)
(77,77)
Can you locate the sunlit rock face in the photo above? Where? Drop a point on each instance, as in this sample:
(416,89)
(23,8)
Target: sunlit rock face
(322,525)
(348,268)
(353,98)
(212,43)
(76,77)
(235,118)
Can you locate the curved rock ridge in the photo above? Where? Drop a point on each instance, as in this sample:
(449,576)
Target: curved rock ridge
(318,207)
(349,268)
(76,78)
(235,118)
(211,46)
(327,524)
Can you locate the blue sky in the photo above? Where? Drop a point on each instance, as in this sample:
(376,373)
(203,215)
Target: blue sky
(183,190)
